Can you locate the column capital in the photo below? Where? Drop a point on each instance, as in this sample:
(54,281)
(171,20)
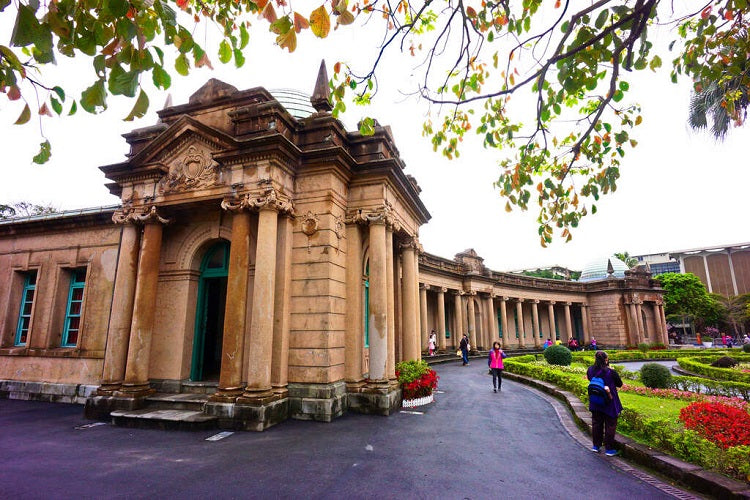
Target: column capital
(382,214)
(441,289)
(551,302)
(424,286)
(519,299)
(141,215)
(470,292)
(567,304)
(409,242)
(534,301)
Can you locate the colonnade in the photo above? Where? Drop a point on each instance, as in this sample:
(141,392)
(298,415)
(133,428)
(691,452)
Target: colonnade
(484,317)
(381,258)
(265,339)
(637,323)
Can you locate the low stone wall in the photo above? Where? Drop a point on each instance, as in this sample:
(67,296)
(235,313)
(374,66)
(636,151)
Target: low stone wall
(46,391)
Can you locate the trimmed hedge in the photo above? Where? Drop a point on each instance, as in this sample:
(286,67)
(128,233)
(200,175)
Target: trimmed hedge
(712,387)
(701,366)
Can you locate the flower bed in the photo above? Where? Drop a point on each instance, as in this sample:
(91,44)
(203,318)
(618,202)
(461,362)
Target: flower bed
(418,381)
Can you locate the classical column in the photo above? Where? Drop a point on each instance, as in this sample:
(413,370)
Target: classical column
(535,322)
(658,337)
(471,317)
(504,320)
(551,318)
(390,297)
(639,321)
(493,321)
(235,311)
(282,297)
(521,329)
(423,315)
(665,333)
(586,327)
(354,336)
(118,333)
(633,321)
(458,332)
(420,326)
(441,318)
(260,341)
(410,293)
(568,324)
(136,382)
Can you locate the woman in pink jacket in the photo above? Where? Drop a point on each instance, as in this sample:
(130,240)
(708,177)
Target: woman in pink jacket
(495,362)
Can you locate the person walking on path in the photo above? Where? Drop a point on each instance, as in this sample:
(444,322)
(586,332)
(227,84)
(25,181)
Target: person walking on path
(604,417)
(464,346)
(495,362)
(432,343)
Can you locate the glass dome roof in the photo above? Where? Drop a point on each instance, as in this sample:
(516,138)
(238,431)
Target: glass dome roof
(597,269)
(296,102)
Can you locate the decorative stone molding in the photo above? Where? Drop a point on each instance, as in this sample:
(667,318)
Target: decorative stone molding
(194,169)
(424,286)
(338,226)
(268,200)
(142,215)
(309,223)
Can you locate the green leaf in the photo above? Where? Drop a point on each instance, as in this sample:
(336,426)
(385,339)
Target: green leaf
(60,93)
(225,52)
(123,82)
(24,117)
(182,65)
(161,78)
(73,109)
(617,97)
(94,98)
(26,29)
(3,4)
(624,86)
(118,8)
(601,18)
(244,36)
(239,58)
(56,105)
(655,63)
(140,107)
(45,151)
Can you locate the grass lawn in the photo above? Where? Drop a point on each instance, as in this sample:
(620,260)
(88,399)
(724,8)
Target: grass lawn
(653,406)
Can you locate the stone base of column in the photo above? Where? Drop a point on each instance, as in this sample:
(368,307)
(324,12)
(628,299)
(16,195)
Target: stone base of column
(99,407)
(226,395)
(318,402)
(107,389)
(376,398)
(256,416)
(135,390)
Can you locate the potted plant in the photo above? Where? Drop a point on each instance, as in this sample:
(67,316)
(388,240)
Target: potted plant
(418,382)
(710,332)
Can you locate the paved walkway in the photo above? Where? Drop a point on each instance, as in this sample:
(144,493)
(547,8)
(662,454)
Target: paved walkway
(472,443)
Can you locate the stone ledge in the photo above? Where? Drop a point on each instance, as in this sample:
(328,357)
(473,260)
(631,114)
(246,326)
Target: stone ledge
(46,391)
(687,474)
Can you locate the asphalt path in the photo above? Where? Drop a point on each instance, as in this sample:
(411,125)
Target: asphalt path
(470,444)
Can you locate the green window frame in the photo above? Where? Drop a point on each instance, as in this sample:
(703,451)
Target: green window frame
(24,313)
(366,298)
(72,327)
(515,319)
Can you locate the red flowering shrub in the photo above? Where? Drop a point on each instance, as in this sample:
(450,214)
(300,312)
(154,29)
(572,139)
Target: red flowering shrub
(726,426)
(417,379)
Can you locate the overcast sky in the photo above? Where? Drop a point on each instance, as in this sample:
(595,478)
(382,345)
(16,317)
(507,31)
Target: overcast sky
(678,188)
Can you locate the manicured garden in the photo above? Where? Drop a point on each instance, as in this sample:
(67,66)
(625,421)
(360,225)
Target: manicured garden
(698,419)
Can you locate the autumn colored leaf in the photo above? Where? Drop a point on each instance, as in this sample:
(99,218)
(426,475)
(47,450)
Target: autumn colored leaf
(268,13)
(14,93)
(471,13)
(44,110)
(345,18)
(287,40)
(320,23)
(182,4)
(337,67)
(24,116)
(300,22)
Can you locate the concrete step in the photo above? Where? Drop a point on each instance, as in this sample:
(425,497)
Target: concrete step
(172,401)
(184,420)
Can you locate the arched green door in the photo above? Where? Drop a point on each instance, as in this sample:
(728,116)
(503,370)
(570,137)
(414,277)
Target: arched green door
(209,314)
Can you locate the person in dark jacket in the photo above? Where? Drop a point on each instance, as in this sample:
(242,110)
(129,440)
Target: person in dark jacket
(604,418)
(464,346)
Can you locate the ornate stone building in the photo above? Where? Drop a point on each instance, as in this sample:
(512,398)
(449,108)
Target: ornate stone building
(270,261)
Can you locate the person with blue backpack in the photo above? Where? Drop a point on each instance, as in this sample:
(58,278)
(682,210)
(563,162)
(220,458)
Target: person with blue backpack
(604,403)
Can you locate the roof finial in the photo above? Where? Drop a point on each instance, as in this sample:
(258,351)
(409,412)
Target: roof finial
(321,96)
(610,268)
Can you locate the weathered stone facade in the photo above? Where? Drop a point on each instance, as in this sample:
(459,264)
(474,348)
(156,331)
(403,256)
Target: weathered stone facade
(272,262)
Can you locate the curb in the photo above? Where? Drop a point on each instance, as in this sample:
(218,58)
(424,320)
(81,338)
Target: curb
(683,473)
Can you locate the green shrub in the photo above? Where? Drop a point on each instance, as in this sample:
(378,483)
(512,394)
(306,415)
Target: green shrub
(656,376)
(725,362)
(409,371)
(643,347)
(746,348)
(558,355)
